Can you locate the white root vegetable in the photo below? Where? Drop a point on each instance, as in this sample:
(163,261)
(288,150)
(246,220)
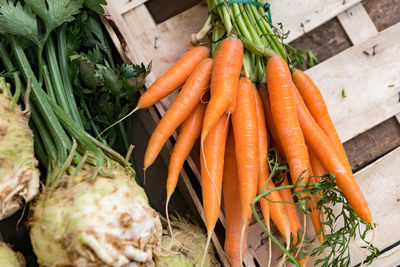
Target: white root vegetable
(9,258)
(19,177)
(106,222)
(186,247)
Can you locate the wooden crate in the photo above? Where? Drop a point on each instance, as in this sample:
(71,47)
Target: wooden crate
(371,82)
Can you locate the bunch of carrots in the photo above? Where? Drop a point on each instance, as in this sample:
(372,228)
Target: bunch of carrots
(238,123)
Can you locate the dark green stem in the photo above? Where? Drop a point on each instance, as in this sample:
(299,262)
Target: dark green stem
(56,77)
(65,75)
(57,132)
(48,83)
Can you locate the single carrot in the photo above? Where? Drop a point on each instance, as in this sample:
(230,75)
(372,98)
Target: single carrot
(315,215)
(271,205)
(232,105)
(233,214)
(244,123)
(316,166)
(330,159)
(316,105)
(268,115)
(186,101)
(174,77)
(188,134)
(284,115)
(286,194)
(224,81)
(212,166)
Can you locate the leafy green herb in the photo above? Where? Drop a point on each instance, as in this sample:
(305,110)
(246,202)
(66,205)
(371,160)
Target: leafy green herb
(391,85)
(95,5)
(55,12)
(19,21)
(344,93)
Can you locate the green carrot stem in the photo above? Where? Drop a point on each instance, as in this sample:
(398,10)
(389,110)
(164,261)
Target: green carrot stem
(240,22)
(280,49)
(249,25)
(263,31)
(64,72)
(260,50)
(224,15)
(270,235)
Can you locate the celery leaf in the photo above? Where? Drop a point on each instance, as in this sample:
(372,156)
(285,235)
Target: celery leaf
(55,12)
(19,21)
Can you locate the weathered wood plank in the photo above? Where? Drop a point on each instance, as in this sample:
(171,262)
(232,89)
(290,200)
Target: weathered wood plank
(357,24)
(303,16)
(384,13)
(129,4)
(369,82)
(379,182)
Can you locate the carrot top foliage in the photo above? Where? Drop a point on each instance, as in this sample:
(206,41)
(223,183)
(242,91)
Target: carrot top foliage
(341,222)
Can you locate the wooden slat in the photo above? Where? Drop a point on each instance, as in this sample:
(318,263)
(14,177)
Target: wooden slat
(370,83)
(165,43)
(127,5)
(379,182)
(357,24)
(301,16)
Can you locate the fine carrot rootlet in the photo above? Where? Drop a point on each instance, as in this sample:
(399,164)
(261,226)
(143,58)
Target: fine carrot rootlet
(333,163)
(224,81)
(184,104)
(244,123)
(233,212)
(271,206)
(174,77)
(212,166)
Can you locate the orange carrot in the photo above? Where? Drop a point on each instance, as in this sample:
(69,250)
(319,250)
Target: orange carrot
(189,133)
(315,215)
(244,123)
(181,108)
(233,213)
(212,164)
(286,194)
(318,109)
(232,105)
(270,121)
(174,77)
(330,159)
(316,166)
(277,210)
(284,115)
(224,81)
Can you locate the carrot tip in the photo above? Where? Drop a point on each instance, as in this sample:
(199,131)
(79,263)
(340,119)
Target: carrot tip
(168,220)
(209,234)
(241,243)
